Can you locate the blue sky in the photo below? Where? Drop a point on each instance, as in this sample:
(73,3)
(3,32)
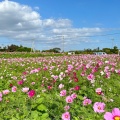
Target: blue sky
(67,24)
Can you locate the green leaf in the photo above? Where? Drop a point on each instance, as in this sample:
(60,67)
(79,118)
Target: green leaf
(80,97)
(42,107)
(83,88)
(13,118)
(34,114)
(45,115)
(39,100)
(75,118)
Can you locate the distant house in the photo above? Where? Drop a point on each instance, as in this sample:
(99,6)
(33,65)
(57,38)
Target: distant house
(100,53)
(71,53)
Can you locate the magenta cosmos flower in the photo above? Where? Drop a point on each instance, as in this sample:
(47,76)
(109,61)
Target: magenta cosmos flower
(77,87)
(99,107)
(66,116)
(115,115)
(31,93)
(20,82)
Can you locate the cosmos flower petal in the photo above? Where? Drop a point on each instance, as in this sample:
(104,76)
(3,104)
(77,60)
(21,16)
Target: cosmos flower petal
(108,116)
(116,112)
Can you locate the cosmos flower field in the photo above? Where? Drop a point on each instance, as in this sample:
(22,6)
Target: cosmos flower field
(76,87)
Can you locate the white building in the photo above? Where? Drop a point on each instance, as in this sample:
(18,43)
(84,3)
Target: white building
(100,53)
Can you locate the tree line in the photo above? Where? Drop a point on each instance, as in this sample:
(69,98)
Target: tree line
(16,48)
(113,50)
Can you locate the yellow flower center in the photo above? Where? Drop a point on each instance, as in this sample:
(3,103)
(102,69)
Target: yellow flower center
(117,118)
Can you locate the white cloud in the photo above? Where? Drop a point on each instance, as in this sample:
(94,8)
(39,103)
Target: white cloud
(60,23)
(21,22)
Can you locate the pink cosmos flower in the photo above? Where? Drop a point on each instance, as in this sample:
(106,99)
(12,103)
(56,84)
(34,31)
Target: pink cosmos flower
(99,107)
(67,107)
(115,115)
(60,86)
(55,77)
(108,75)
(5,92)
(66,116)
(106,69)
(69,99)
(87,101)
(38,69)
(14,89)
(31,93)
(90,77)
(70,67)
(88,65)
(99,91)
(25,89)
(34,71)
(112,69)
(82,74)
(95,69)
(0,98)
(32,83)
(73,95)
(63,93)
(0,94)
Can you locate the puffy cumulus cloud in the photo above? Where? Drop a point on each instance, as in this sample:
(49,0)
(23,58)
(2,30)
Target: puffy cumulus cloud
(17,21)
(21,22)
(60,23)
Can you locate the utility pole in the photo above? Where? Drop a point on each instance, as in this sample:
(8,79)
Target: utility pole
(62,37)
(63,42)
(33,46)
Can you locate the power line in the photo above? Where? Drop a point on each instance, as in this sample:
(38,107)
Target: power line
(99,35)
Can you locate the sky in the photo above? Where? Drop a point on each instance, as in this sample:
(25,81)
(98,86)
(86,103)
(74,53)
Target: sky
(66,24)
